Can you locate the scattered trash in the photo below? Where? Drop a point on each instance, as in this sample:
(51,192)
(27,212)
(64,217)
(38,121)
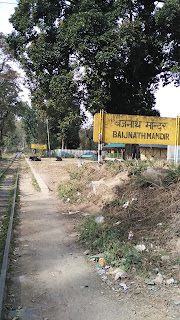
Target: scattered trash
(140,247)
(116,223)
(68,199)
(80,163)
(74,212)
(159,224)
(120,274)
(70,253)
(71,212)
(124,286)
(170,281)
(126,204)
(86,252)
(94,258)
(130,236)
(156,270)
(177,303)
(134,199)
(101,270)
(99,219)
(104,278)
(165,258)
(149,282)
(102,262)
(158,279)
(134,312)
(85,214)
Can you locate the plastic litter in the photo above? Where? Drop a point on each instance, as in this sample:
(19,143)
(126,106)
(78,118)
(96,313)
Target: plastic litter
(99,219)
(101,271)
(170,281)
(102,262)
(86,252)
(124,286)
(117,223)
(74,212)
(126,204)
(120,274)
(130,236)
(140,247)
(158,279)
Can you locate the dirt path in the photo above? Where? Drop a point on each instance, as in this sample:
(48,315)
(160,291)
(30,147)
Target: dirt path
(51,277)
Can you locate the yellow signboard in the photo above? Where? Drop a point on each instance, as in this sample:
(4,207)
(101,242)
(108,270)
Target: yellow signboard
(120,128)
(38,146)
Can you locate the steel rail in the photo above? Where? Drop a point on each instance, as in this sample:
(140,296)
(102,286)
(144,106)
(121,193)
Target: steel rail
(3,172)
(7,247)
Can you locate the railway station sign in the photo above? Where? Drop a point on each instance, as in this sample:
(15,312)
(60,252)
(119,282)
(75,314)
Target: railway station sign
(38,146)
(135,129)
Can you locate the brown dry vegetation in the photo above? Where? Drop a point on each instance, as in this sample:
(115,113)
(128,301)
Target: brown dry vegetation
(152,212)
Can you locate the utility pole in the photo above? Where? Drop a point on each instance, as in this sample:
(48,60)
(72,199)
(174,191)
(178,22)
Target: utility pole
(49,147)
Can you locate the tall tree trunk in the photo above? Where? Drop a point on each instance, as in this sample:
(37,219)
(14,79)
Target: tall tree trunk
(132,151)
(62,144)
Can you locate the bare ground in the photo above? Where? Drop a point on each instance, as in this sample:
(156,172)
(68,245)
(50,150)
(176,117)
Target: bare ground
(52,278)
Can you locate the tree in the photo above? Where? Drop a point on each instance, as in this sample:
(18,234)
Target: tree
(34,126)
(47,65)
(16,140)
(86,139)
(10,103)
(123,46)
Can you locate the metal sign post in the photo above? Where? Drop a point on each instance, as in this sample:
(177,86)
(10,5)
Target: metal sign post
(100,136)
(177,140)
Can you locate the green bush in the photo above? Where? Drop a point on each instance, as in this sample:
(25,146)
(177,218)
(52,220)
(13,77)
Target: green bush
(69,190)
(172,176)
(103,238)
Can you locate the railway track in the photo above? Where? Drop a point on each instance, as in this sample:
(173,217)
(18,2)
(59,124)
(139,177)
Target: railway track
(8,190)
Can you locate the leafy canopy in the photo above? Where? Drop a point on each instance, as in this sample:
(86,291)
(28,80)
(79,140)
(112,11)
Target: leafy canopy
(107,54)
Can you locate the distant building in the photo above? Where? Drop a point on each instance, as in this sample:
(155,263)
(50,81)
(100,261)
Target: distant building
(147,151)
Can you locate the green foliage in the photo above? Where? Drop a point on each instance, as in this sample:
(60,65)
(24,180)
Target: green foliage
(70,190)
(107,54)
(35,184)
(172,176)
(10,103)
(136,167)
(86,139)
(102,238)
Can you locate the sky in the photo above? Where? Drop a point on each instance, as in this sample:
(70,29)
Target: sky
(167,98)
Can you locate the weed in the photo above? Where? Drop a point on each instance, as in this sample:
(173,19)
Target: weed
(102,238)
(70,190)
(35,184)
(115,203)
(172,176)
(136,167)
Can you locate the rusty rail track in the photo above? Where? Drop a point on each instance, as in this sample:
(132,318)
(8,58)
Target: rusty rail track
(8,191)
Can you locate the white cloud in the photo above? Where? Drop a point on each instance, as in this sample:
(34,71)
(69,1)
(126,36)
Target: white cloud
(168,101)
(6,10)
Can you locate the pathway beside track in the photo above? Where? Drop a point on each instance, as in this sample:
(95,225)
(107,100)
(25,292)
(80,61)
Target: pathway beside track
(52,279)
